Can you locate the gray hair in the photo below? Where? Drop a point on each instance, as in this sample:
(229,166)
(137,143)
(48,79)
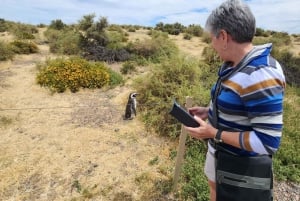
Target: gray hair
(235,18)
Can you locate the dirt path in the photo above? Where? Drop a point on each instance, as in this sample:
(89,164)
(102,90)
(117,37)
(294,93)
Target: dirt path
(70,146)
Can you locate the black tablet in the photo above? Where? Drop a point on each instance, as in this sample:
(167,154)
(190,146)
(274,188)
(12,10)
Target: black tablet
(183,116)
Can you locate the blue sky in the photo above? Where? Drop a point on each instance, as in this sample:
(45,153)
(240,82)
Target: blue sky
(277,15)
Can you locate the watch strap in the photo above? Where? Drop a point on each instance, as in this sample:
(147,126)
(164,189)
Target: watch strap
(217,138)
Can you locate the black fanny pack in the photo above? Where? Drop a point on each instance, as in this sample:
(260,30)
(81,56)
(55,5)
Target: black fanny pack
(243,178)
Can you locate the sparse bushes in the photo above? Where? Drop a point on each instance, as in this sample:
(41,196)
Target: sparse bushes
(194,30)
(6,52)
(187,36)
(99,45)
(24,31)
(173,29)
(279,39)
(63,42)
(290,65)
(100,53)
(3,25)
(57,24)
(74,73)
(128,67)
(174,78)
(24,47)
(156,49)
(261,32)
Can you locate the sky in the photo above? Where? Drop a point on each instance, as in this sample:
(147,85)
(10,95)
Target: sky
(276,15)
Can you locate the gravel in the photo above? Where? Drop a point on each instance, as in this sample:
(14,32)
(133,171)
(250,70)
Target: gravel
(285,191)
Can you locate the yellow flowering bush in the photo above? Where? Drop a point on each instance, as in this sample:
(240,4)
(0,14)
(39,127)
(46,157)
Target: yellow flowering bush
(74,73)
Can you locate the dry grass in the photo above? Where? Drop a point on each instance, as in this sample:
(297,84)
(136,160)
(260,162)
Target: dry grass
(71,146)
(295,47)
(193,47)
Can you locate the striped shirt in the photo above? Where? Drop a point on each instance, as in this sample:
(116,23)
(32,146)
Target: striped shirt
(251,102)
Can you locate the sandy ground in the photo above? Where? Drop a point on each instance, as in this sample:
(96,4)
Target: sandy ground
(54,145)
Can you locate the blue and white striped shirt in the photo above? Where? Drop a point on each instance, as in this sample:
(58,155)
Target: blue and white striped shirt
(251,102)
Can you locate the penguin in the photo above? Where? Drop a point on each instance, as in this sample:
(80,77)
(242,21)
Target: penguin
(130,107)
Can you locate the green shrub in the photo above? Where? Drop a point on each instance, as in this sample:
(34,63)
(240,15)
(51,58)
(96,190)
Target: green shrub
(57,24)
(173,29)
(23,31)
(206,38)
(187,36)
(194,181)
(3,25)
(6,51)
(74,73)
(158,48)
(24,47)
(210,70)
(280,39)
(290,65)
(287,159)
(262,32)
(128,67)
(116,40)
(24,35)
(194,30)
(63,42)
(115,78)
(175,78)
(131,29)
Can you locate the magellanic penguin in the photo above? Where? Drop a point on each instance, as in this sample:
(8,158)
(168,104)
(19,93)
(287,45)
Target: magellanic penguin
(131,106)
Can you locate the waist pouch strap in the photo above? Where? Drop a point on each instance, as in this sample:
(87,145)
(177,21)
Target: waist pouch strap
(243,181)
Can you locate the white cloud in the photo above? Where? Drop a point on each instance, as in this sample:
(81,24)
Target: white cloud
(278,15)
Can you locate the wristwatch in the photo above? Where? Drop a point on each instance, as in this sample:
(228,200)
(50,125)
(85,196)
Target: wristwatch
(217,138)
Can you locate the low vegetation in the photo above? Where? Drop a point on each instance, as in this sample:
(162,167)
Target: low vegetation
(75,73)
(24,47)
(6,52)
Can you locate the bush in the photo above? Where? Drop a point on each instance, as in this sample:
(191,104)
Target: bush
(128,67)
(24,47)
(23,31)
(261,32)
(287,158)
(280,39)
(100,53)
(290,65)
(74,73)
(115,78)
(158,48)
(194,181)
(57,24)
(63,42)
(194,30)
(187,36)
(175,78)
(6,52)
(3,25)
(173,29)
(206,38)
